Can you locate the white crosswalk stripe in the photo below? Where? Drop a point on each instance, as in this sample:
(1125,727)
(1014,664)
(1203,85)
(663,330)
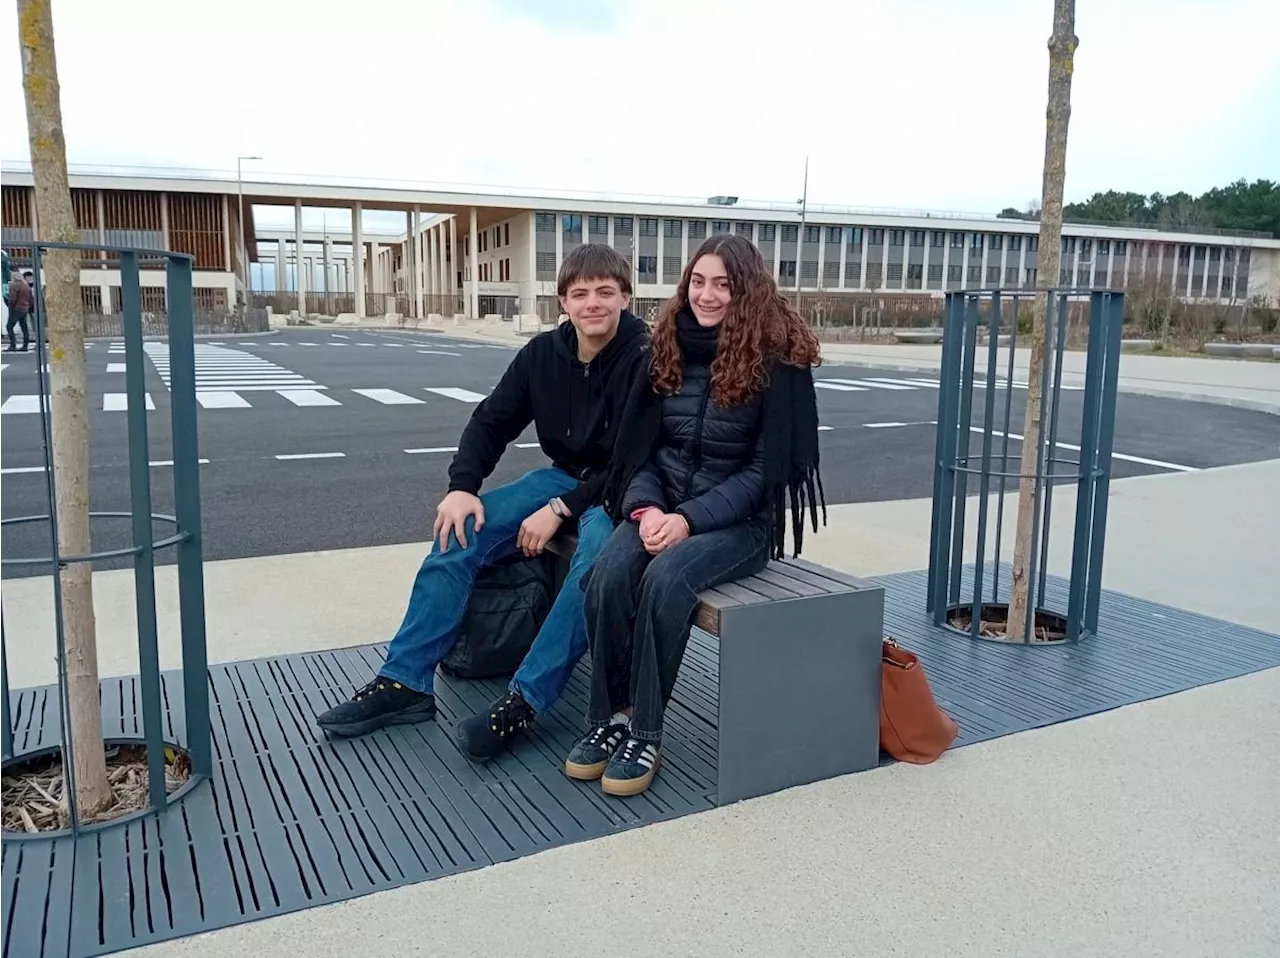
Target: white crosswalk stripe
(838,387)
(210,399)
(388,397)
(452,392)
(119,402)
(308,397)
(226,370)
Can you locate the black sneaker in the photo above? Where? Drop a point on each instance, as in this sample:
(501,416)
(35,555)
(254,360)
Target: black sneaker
(590,757)
(488,734)
(381,703)
(632,768)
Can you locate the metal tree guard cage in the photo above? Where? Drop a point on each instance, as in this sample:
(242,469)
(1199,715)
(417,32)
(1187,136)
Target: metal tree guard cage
(957,461)
(186,539)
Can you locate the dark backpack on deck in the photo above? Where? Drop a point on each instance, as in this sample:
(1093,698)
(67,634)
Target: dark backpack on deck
(509,602)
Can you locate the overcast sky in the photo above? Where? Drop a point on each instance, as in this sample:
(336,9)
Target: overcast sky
(933,104)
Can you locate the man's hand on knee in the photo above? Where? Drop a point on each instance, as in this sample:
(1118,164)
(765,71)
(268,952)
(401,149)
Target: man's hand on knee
(451,516)
(537,530)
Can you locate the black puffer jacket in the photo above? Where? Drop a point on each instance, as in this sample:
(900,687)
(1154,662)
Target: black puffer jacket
(708,464)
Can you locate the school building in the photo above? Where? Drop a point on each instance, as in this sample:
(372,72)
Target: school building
(481,251)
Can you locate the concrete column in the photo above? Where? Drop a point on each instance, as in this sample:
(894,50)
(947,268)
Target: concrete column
(300,282)
(375,268)
(102,221)
(164,220)
(328,261)
(411,263)
(1004,259)
(946,257)
(440,259)
(473,295)
(454,256)
(924,260)
(822,258)
(357,254)
(862,277)
(884,261)
(1022,261)
(282,266)
(986,245)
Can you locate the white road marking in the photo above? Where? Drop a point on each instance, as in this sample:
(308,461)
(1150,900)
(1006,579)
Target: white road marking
(339,336)
(215,344)
(394,345)
(370,345)
(221,400)
(528,445)
(115,367)
(838,387)
(1159,463)
(313,455)
(437,352)
(907,383)
(452,392)
(20,404)
(267,386)
(119,402)
(825,428)
(21,470)
(4,366)
(308,344)
(870,384)
(343,345)
(277,344)
(417,452)
(388,397)
(308,397)
(892,425)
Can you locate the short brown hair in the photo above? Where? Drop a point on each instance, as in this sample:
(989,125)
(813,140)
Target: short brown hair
(594,261)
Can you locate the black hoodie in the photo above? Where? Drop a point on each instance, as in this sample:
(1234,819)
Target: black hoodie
(574,406)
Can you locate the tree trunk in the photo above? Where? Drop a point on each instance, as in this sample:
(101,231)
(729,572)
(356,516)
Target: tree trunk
(1062,48)
(63,315)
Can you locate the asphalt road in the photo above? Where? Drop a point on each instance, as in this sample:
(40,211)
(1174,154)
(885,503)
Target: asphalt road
(320,439)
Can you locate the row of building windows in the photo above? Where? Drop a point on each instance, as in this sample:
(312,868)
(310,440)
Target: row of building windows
(762,233)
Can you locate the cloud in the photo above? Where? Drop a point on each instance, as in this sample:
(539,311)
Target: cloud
(921,104)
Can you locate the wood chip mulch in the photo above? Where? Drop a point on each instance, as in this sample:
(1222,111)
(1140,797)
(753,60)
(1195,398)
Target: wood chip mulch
(35,799)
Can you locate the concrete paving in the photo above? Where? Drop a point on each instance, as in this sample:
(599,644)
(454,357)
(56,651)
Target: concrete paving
(1136,832)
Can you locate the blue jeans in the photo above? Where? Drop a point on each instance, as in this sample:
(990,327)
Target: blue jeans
(442,589)
(640,610)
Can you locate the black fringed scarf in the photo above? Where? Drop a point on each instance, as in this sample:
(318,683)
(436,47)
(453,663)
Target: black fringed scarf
(789,421)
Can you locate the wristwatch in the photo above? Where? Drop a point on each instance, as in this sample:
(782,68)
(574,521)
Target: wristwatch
(559,508)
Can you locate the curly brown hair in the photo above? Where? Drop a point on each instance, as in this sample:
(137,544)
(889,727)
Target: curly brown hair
(759,327)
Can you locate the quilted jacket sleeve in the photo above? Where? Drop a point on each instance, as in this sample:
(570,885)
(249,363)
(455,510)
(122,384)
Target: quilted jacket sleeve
(645,489)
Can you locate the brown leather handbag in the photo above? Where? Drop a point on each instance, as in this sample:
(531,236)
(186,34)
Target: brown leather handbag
(912,727)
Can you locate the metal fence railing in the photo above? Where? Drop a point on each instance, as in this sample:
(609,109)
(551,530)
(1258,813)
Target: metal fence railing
(192,726)
(980,443)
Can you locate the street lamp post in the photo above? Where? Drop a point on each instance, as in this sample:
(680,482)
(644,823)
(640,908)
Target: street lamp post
(244,250)
(804,203)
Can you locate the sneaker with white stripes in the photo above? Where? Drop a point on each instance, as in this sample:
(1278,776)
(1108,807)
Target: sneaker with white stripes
(590,757)
(632,768)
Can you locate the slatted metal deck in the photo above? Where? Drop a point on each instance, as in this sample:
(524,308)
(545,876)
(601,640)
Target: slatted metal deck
(292,820)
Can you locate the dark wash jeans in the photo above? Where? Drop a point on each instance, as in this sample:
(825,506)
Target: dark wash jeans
(443,584)
(640,611)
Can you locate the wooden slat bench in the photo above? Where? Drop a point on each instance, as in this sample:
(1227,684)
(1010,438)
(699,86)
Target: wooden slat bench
(799,675)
